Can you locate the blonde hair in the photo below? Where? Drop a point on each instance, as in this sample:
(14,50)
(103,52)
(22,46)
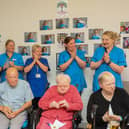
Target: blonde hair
(112,35)
(34,47)
(104,76)
(63,78)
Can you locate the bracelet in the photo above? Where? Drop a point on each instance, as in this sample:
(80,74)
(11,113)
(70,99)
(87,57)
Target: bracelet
(109,62)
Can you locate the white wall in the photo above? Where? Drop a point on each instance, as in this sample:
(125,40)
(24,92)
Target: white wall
(19,16)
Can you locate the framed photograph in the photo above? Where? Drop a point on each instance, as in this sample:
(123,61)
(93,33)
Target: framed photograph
(46,25)
(48,39)
(126,42)
(79,37)
(24,50)
(124,27)
(88,60)
(30,37)
(46,51)
(95,34)
(84,48)
(62,23)
(80,22)
(57,58)
(60,38)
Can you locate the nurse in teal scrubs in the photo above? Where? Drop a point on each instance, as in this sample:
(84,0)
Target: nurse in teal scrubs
(72,62)
(108,58)
(30,38)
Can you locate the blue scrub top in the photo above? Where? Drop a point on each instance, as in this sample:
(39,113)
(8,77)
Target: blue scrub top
(74,71)
(38,84)
(30,40)
(117,56)
(16,58)
(78,41)
(45,27)
(62,26)
(48,42)
(80,25)
(95,37)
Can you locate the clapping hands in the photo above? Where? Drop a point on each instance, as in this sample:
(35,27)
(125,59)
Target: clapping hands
(60,104)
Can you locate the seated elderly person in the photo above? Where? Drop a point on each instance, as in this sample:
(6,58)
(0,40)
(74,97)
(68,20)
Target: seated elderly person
(15,98)
(59,103)
(109,105)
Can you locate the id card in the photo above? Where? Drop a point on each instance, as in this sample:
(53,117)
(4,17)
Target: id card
(37,75)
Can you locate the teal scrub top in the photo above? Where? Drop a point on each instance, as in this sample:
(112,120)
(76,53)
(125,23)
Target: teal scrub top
(117,56)
(74,71)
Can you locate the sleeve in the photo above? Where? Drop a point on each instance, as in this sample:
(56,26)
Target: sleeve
(76,103)
(45,101)
(82,56)
(45,62)
(20,61)
(27,62)
(28,92)
(96,57)
(124,97)
(98,117)
(122,59)
(61,59)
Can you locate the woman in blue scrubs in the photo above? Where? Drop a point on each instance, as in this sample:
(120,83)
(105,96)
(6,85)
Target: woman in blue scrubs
(108,58)
(36,69)
(72,62)
(11,59)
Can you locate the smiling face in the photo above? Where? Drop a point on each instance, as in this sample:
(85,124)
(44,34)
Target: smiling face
(10,47)
(63,83)
(70,45)
(107,42)
(107,83)
(37,51)
(12,76)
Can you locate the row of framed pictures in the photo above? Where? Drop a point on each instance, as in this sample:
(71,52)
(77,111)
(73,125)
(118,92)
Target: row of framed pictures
(94,34)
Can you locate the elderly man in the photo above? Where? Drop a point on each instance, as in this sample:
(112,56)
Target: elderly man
(15,98)
(59,103)
(109,105)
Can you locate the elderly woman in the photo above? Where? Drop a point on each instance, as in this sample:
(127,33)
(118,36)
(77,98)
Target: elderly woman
(10,59)
(59,103)
(108,57)
(36,69)
(112,103)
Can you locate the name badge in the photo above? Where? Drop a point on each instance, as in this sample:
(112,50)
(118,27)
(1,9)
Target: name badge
(38,75)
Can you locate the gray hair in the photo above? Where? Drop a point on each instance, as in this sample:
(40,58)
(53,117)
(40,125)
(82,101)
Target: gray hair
(63,78)
(105,75)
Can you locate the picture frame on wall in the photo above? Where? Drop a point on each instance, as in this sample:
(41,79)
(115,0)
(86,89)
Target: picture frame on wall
(60,39)
(79,37)
(80,22)
(84,48)
(46,25)
(126,42)
(62,23)
(24,50)
(124,27)
(95,34)
(48,39)
(30,37)
(46,51)
(57,58)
